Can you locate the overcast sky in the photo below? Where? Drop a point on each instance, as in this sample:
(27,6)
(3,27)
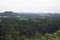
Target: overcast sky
(36,6)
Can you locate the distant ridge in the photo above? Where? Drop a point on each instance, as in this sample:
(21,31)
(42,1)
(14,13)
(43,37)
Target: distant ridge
(38,15)
(10,13)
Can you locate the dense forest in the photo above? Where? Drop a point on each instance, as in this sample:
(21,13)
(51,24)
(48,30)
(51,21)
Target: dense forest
(23,28)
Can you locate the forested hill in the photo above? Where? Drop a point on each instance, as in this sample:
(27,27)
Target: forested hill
(19,28)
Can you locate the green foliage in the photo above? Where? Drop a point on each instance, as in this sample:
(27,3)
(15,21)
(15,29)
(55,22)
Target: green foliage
(13,28)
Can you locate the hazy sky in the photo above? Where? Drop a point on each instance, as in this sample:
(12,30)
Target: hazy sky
(36,6)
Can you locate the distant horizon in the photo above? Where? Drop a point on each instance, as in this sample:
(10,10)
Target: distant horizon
(21,12)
